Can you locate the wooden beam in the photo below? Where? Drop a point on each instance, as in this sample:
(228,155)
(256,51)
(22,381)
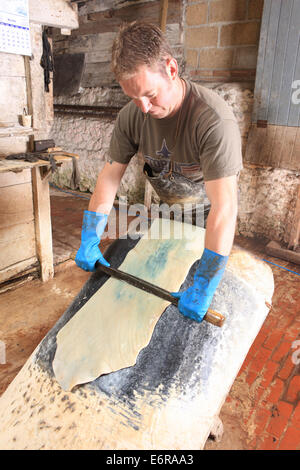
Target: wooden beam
(29,98)
(110,20)
(274,249)
(163,14)
(17,243)
(19,269)
(42,217)
(56,13)
(275,146)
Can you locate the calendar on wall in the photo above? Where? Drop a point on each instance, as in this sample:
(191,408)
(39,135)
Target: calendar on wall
(14,27)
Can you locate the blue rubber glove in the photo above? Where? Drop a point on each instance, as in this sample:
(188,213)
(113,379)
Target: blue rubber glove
(195,301)
(93,226)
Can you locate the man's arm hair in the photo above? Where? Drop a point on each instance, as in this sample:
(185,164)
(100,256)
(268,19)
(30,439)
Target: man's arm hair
(221,221)
(107,186)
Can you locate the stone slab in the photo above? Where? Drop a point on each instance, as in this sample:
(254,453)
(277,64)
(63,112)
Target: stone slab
(169,399)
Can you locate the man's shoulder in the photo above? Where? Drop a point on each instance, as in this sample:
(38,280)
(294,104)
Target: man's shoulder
(208,101)
(130,115)
(129,109)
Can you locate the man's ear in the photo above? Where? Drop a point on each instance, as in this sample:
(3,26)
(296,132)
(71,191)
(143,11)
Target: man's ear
(172,68)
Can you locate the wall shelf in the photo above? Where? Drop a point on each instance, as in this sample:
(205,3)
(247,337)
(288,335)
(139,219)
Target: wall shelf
(16,131)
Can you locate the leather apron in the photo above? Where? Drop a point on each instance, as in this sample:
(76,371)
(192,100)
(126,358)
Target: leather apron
(174,188)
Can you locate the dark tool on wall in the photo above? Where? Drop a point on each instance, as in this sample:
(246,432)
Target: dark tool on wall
(211,316)
(41,145)
(47,60)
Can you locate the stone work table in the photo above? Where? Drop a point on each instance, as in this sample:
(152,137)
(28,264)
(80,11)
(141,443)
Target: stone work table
(171,397)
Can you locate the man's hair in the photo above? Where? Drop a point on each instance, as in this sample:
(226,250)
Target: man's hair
(136,44)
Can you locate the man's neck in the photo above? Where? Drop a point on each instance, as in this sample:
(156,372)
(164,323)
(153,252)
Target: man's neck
(179,94)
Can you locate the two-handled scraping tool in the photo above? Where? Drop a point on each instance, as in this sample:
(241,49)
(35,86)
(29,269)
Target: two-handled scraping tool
(211,316)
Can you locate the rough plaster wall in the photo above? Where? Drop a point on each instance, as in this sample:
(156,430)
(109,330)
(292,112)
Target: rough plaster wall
(90,139)
(267,202)
(94,96)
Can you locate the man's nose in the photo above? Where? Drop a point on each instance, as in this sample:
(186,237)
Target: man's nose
(144,104)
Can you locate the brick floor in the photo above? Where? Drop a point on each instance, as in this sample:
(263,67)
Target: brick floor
(270,374)
(264,400)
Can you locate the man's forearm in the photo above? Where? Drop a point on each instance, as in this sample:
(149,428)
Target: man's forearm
(196,299)
(106,187)
(220,230)
(221,220)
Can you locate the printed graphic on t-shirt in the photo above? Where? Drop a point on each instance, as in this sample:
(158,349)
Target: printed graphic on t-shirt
(164,151)
(163,163)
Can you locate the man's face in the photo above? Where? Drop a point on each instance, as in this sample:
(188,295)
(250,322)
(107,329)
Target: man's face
(152,91)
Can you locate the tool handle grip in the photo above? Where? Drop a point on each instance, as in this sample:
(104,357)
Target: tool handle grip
(214,317)
(211,316)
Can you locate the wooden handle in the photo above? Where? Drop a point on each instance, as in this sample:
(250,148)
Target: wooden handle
(211,316)
(214,318)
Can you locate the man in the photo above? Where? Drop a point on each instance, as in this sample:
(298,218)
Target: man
(190,142)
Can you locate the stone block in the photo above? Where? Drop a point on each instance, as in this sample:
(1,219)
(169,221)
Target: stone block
(240,34)
(231,10)
(245,57)
(196,14)
(216,58)
(191,58)
(255,9)
(200,37)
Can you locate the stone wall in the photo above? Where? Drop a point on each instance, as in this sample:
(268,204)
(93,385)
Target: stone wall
(221,39)
(89,138)
(267,202)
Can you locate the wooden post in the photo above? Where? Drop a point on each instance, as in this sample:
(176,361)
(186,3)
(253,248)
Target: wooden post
(29,99)
(295,232)
(163,15)
(42,218)
(28,85)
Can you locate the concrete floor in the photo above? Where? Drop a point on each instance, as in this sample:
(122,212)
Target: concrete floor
(262,410)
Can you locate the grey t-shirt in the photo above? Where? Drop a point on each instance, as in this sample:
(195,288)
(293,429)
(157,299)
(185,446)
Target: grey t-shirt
(201,141)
